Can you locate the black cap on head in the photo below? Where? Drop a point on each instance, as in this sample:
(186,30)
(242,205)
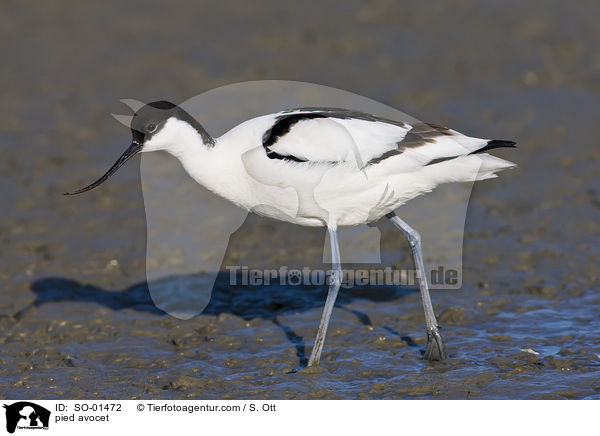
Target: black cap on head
(151,118)
(148,121)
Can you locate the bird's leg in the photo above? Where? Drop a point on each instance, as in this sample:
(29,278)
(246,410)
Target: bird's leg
(435,345)
(334,286)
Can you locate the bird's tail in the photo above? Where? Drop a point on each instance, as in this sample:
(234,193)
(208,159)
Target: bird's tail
(467,168)
(462,158)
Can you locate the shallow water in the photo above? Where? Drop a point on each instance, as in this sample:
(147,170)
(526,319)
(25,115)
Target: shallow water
(76,320)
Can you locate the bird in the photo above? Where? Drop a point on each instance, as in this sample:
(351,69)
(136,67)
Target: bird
(321,166)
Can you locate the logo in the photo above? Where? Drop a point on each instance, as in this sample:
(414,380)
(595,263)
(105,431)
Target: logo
(26,415)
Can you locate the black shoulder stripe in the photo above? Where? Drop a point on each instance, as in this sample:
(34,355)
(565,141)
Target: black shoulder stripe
(283,125)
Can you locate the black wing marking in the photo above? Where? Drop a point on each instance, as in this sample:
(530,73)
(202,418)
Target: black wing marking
(419,135)
(282,125)
(490,145)
(285,121)
(496,143)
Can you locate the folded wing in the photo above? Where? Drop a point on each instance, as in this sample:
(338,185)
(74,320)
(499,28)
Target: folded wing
(337,136)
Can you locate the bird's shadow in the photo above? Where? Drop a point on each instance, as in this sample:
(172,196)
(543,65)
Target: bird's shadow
(268,302)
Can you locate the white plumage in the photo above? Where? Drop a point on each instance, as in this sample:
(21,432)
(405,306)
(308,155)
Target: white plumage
(335,183)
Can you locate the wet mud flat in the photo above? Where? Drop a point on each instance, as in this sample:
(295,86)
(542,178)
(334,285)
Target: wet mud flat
(76,319)
(255,346)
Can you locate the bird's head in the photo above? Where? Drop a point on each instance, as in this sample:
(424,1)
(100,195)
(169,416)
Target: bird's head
(159,125)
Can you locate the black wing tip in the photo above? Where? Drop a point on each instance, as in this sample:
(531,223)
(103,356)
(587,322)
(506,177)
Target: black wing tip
(499,143)
(496,143)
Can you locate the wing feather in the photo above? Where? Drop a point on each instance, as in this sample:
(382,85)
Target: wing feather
(332,138)
(338,136)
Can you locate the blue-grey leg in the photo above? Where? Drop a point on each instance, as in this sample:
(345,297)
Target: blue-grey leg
(435,345)
(334,287)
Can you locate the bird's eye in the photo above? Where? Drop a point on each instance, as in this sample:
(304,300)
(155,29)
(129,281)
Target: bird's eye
(151,128)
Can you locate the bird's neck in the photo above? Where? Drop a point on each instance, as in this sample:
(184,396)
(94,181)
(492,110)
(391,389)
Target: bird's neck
(186,140)
(210,164)
(206,138)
